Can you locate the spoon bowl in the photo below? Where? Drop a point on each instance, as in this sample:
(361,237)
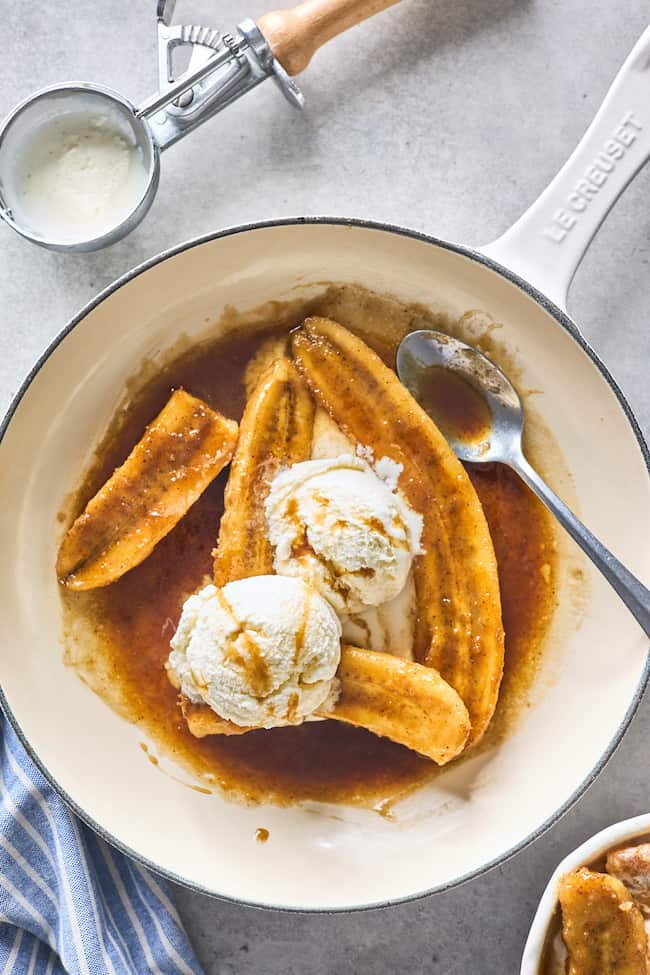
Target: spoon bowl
(453,381)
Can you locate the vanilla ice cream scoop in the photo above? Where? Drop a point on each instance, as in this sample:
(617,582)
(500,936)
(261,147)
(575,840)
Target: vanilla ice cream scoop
(343,529)
(261,652)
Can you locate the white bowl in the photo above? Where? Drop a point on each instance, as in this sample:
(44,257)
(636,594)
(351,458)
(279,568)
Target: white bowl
(587,852)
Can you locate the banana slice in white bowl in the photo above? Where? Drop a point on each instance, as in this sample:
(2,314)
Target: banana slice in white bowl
(546,952)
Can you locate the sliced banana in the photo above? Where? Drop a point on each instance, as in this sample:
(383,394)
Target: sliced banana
(180,453)
(403,701)
(275,430)
(459,630)
(602,928)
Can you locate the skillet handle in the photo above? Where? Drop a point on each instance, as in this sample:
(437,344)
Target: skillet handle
(545,246)
(295,35)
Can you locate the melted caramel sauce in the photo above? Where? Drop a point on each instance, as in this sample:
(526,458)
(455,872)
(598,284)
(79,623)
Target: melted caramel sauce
(131,621)
(458,410)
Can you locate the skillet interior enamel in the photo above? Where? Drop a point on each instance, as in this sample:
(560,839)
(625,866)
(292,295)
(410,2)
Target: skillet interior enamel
(592,678)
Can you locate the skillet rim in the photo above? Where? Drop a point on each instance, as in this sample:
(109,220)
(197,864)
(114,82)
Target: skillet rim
(565,321)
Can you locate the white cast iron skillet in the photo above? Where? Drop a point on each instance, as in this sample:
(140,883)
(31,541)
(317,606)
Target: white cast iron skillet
(477,814)
(616,835)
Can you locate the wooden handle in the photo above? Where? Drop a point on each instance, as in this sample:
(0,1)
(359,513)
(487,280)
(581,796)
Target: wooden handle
(295,35)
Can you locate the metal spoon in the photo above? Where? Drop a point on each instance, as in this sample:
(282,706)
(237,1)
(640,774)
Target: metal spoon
(493,434)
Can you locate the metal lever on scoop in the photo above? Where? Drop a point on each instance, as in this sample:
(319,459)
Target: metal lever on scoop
(223,68)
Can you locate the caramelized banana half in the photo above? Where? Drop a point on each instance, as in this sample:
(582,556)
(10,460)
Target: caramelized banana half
(459,630)
(180,453)
(393,698)
(276,430)
(403,701)
(602,928)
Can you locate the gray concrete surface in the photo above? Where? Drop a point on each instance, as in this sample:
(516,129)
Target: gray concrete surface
(447,116)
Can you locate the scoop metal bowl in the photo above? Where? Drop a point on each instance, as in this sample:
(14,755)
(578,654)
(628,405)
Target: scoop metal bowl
(60,101)
(500,441)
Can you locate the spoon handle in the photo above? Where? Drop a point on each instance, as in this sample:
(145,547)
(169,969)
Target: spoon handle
(633,593)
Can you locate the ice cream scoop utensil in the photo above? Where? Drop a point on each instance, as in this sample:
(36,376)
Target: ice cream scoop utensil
(222,68)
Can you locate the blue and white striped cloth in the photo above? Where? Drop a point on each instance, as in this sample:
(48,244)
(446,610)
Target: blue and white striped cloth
(69,903)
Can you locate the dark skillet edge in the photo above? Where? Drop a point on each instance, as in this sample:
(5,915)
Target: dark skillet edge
(566,322)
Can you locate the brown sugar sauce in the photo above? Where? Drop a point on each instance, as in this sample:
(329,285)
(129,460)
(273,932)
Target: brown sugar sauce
(131,621)
(457,409)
